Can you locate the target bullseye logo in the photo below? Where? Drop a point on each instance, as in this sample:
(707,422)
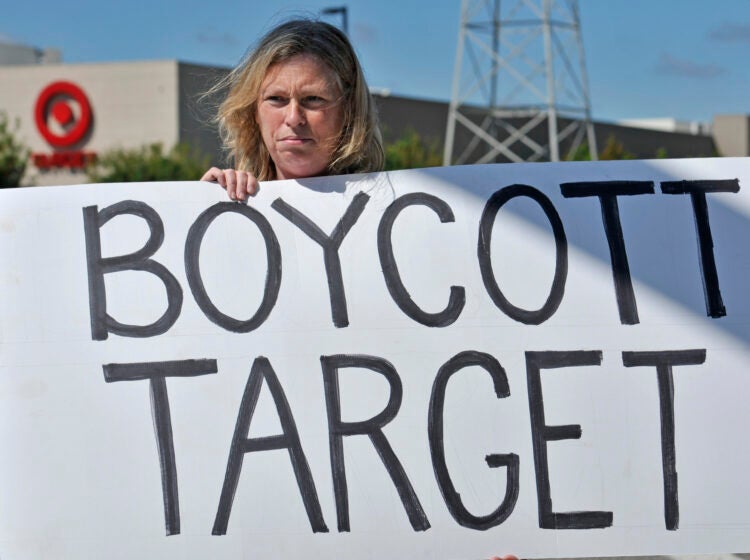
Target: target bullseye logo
(63,117)
(63,114)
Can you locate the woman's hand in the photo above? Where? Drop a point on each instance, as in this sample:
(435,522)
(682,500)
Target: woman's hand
(506,557)
(238,184)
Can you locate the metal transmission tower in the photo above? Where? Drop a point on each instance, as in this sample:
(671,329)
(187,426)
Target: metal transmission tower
(523,96)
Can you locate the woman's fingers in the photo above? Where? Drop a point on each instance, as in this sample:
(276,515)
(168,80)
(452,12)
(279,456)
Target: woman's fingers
(238,184)
(252,185)
(245,184)
(241,185)
(231,183)
(214,175)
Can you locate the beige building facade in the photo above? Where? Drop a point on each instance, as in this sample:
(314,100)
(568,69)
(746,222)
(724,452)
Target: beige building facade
(732,134)
(130,104)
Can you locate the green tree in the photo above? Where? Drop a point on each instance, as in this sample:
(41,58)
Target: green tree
(410,152)
(614,149)
(581,153)
(13,154)
(148,163)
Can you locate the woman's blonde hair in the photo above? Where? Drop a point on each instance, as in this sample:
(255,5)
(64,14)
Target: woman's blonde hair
(359,149)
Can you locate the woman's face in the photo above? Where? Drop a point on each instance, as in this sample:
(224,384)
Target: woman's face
(300,116)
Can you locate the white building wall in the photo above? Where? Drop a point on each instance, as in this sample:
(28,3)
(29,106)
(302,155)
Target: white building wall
(668,124)
(133,103)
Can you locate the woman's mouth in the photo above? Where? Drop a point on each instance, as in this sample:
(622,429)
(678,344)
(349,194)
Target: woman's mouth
(295,140)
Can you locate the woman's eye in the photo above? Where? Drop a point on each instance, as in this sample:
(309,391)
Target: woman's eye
(276,99)
(313,101)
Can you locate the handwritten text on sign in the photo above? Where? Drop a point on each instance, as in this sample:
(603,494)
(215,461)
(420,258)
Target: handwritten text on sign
(413,308)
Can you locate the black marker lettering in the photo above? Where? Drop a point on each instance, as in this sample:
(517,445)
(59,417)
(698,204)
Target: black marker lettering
(330,245)
(496,201)
(288,439)
(608,191)
(101,322)
(541,434)
(156,373)
(192,267)
(401,297)
(663,361)
(437,448)
(373,428)
(697,190)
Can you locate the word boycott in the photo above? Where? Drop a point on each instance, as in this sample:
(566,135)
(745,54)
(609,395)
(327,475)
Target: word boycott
(606,191)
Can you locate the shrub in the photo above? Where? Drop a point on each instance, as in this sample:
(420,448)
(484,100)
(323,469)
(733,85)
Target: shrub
(410,152)
(148,163)
(13,154)
(614,149)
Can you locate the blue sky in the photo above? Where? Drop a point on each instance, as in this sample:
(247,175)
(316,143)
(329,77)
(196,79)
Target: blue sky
(686,59)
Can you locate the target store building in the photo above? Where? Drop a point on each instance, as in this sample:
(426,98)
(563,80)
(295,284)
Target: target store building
(70,113)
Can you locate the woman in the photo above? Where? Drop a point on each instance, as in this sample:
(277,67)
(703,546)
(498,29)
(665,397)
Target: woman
(297,106)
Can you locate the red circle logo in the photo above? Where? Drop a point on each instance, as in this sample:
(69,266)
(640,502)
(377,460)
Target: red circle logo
(62,114)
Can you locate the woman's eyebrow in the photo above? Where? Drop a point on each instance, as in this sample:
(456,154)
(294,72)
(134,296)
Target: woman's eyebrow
(303,90)
(317,88)
(273,88)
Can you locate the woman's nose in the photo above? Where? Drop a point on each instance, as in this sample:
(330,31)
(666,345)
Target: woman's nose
(295,114)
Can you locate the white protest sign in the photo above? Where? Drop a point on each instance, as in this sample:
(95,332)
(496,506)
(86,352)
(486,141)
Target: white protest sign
(544,359)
